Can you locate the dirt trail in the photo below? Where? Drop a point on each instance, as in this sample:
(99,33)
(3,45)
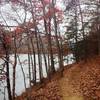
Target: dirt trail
(67,90)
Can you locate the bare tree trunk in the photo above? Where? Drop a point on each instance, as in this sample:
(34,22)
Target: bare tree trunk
(29,60)
(39,58)
(50,48)
(43,52)
(22,71)
(76,37)
(83,34)
(57,41)
(61,51)
(98,24)
(8,75)
(6,48)
(37,42)
(34,69)
(48,34)
(14,68)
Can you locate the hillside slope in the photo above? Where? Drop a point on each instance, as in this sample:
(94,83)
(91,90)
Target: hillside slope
(79,82)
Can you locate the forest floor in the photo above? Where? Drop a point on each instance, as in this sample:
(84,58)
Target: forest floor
(80,81)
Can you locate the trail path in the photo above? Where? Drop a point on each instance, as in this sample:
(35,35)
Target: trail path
(67,90)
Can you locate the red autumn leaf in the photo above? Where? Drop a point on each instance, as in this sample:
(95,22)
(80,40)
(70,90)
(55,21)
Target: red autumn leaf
(47,2)
(30,24)
(18,30)
(51,12)
(14,1)
(7,40)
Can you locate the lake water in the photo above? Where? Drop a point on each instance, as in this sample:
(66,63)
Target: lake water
(19,88)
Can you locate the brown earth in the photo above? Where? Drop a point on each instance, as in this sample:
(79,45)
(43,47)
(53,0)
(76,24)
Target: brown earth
(80,81)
